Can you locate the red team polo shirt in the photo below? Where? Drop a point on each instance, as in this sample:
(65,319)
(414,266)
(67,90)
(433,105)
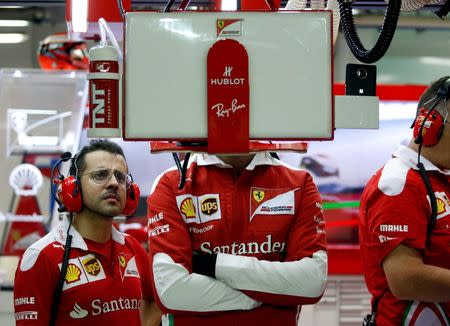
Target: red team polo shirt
(266,226)
(104,284)
(395,209)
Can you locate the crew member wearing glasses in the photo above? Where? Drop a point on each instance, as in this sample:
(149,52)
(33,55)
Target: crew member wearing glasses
(108,275)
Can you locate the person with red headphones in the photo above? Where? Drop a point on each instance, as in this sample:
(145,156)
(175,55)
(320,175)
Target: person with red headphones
(84,271)
(404,228)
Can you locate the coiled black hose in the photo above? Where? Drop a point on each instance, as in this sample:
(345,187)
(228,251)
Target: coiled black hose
(384,37)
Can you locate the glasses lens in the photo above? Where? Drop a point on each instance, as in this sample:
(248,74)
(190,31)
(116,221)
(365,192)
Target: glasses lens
(100,176)
(120,177)
(103,175)
(128,181)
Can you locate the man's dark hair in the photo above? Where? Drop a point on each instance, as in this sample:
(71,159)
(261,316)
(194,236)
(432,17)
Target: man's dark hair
(78,165)
(430,93)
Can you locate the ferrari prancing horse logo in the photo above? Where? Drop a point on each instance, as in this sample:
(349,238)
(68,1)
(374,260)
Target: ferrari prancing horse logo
(258,195)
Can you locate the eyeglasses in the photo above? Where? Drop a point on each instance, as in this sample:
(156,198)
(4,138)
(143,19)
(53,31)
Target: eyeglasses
(102,176)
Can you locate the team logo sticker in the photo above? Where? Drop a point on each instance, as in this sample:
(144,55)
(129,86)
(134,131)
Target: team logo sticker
(258,195)
(82,270)
(187,205)
(78,312)
(73,273)
(122,261)
(229,27)
(188,208)
(272,202)
(209,207)
(199,209)
(92,266)
(130,269)
(443,205)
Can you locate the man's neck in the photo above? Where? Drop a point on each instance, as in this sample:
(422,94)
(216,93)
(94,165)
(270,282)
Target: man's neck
(432,154)
(238,162)
(93,227)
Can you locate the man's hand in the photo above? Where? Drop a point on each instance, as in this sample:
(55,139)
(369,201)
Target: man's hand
(410,279)
(204,264)
(150,313)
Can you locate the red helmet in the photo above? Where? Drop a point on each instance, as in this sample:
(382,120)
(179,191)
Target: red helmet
(58,52)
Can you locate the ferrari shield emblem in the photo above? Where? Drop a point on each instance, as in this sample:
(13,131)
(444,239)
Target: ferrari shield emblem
(258,195)
(220,24)
(122,261)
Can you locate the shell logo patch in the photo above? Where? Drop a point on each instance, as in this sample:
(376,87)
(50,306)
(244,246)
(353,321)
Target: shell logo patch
(443,205)
(187,208)
(258,195)
(92,266)
(73,273)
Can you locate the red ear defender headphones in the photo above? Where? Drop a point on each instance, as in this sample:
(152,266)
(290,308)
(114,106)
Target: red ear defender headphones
(429,124)
(132,201)
(69,195)
(428,127)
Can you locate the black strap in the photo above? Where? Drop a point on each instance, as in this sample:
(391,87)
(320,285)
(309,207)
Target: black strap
(433,201)
(62,276)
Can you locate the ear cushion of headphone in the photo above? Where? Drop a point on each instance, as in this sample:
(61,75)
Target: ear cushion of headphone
(132,201)
(432,128)
(70,194)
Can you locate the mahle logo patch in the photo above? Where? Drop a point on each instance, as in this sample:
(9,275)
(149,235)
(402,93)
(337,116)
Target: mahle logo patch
(209,206)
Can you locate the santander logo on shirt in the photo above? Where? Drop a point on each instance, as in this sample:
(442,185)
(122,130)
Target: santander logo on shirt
(99,307)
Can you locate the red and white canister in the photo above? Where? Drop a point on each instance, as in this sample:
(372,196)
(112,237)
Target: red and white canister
(104,90)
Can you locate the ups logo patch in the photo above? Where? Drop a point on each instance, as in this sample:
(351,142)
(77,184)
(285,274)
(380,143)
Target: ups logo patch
(91,266)
(209,206)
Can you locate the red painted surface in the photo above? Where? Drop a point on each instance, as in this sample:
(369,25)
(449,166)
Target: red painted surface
(228,98)
(388,92)
(101,8)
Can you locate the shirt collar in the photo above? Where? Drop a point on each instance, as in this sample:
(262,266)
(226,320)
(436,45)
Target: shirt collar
(409,156)
(260,158)
(60,233)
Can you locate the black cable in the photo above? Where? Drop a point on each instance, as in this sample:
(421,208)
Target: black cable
(423,172)
(184,171)
(177,161)
(62,276)
(121,11)
(433,201)
(384,37)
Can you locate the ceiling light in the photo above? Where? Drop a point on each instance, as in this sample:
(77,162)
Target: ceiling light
(14,23)
(79,16)
(11,7)
(12,38)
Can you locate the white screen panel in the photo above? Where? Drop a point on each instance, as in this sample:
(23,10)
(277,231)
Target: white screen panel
(290,77)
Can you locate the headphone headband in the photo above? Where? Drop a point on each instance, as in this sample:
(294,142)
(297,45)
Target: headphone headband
(443,93)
